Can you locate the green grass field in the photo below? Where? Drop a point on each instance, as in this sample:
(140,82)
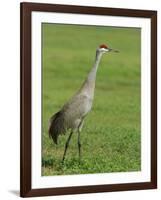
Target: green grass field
(111,133)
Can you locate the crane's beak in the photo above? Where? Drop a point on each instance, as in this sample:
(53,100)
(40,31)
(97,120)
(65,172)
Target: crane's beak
(113,50)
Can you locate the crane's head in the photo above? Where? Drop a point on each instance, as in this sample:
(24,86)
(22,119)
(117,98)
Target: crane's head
(104,49)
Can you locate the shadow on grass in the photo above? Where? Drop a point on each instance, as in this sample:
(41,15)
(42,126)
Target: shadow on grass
(70,165)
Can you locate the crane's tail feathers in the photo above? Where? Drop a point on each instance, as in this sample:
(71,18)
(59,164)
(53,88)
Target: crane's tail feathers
(56,126)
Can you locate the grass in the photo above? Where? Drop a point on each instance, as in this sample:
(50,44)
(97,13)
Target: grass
(111,133)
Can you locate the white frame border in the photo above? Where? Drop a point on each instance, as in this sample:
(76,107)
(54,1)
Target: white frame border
(144,175)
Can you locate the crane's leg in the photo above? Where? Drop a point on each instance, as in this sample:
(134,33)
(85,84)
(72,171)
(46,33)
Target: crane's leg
(79,142)
(66,146)
(79,146)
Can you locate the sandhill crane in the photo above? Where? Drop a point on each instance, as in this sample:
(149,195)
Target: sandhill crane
(71,116)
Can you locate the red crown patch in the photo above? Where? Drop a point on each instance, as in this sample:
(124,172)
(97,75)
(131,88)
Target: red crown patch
(103,46)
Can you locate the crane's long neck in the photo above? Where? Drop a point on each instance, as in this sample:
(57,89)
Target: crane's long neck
(89,84)
(92,74)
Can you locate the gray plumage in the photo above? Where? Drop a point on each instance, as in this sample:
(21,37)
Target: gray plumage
(72,114)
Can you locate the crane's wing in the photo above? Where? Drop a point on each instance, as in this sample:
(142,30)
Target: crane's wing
(69,116)
(77,107)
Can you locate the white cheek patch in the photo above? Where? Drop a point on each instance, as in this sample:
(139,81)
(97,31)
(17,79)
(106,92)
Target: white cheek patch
(105,50)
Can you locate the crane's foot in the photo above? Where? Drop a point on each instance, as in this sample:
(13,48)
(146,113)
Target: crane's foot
(80,160)
(62,162)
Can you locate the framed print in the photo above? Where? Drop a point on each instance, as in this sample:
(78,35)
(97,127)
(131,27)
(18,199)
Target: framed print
(88,99)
